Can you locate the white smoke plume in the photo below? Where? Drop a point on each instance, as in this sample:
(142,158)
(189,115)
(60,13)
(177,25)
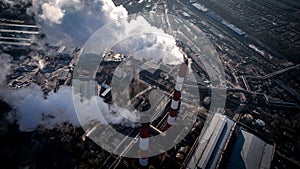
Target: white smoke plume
(156,48)
(52,13)
(33,110)
(71,23)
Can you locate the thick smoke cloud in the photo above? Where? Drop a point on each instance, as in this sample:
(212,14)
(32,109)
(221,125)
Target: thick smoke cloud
(71,23)
(137,38)
(33,110)
(52,13)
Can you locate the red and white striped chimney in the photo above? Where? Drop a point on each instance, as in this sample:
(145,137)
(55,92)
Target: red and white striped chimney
(176,96)
(144,144)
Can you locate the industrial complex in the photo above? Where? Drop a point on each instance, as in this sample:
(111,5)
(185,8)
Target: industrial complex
(257,128)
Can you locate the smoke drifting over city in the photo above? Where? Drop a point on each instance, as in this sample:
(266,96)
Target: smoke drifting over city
(71,23)
(149,84)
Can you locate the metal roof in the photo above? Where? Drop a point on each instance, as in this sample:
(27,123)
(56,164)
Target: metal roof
(250,152)
(211,143)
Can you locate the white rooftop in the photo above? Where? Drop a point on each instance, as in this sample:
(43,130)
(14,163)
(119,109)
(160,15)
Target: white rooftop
(211,143)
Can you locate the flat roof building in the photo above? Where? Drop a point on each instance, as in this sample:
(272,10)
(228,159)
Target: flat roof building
(250,152)
(211,143)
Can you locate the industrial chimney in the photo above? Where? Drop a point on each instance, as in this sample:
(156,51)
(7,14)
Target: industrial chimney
(144,144)
(176,96)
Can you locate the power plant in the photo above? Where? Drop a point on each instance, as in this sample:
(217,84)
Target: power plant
(248,120)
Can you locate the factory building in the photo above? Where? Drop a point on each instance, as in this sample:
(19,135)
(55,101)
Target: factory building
(211,143)
(250,152)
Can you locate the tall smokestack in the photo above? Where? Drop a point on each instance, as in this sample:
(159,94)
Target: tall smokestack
(144,144)
(176,96)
